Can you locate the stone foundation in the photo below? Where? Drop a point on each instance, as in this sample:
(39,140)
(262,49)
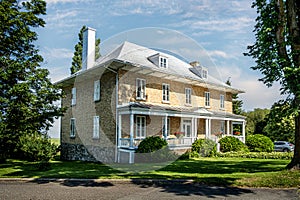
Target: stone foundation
(87,153)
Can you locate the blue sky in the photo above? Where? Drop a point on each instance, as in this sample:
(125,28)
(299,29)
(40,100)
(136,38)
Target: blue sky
(222,29)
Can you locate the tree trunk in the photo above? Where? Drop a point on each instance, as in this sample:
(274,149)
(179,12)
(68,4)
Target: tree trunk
(295,163)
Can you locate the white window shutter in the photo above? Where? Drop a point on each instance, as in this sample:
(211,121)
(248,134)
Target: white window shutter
(73,96)
(97,90)
(96,128)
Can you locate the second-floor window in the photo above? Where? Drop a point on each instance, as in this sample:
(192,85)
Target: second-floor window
(96,127)
(140,89)
(73,101)
(97,90)
(222,101)
(72,127)
(140,127)
(165,92)
(207,99)
(188,95)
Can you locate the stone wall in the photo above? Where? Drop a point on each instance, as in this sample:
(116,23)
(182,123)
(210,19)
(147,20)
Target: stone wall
(87,153)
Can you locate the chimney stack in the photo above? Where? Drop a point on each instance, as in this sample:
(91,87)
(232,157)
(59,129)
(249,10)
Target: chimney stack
(88,48)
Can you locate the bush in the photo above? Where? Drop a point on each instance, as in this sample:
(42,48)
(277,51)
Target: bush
(230,143)
(154,149)
(259,155)
(204,147)
(36,147)
(259,143)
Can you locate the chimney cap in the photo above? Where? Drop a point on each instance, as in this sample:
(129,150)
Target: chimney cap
(195,63)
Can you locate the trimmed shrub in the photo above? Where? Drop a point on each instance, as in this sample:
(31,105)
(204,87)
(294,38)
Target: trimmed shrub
(259,155)
(259,143)
(36,147)
(154,149)
(204,147)
(230,143)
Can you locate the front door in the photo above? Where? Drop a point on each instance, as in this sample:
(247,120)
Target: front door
(187,127)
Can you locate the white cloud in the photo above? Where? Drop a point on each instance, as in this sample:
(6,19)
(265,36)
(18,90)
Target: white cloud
(218,53)
(63,1)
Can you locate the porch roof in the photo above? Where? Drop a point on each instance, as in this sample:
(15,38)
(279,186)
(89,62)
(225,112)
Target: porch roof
(175,111)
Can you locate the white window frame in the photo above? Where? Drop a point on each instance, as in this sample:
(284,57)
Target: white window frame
(96,127)
(207,99)
(140,85)
(140,128)
(72,127)
(168,126)
(222,101)
(204,73)
(166,92)
(222,127)
(188,96)
(97,90)
(163,62)
(73,97)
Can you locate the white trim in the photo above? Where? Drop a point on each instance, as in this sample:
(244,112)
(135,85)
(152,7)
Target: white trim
(96,127)
(222,101)
(165,93)
(141,121)
(73,96)
(207,99)
(72,127)
(97,90)
(188,96)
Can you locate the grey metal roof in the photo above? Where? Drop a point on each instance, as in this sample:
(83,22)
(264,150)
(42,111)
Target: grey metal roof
(139,57)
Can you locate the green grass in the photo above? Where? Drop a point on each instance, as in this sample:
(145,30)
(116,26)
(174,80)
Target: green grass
(212,171)
(55,141)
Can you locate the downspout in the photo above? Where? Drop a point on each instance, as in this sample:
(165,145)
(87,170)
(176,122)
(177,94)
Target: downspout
(117,116)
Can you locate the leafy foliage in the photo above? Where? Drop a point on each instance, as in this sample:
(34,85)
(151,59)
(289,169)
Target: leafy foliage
(27,95)
(256,121)
(280,123)
(230,143)
(259,155)
(259,143)
(77,57)
(204,147)
(277,54)
(36,147)
(154,149)
(236,104)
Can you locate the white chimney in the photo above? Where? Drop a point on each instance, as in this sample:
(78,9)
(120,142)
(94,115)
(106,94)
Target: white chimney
(88,48)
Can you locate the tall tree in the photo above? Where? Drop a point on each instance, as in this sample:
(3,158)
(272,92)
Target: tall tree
(236,103)
(77,57)
(256,120)
(277,54)
(280,123)
(26,92)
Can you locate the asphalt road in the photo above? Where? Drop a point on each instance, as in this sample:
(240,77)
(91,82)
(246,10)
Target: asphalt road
(127,190)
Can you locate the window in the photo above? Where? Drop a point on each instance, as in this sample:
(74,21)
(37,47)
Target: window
(140,88)
(72,127)
(204,73)
(140,127)
(222,99)
(168,126)
(97,90)
(207,99)
(188,95)
(165,92)
(163,62)
(222,128)
(73,102)
(96,127)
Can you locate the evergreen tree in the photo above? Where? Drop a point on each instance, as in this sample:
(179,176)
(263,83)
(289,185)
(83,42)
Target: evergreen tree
(277,54)
(236,104)
(26,93)
(77,57)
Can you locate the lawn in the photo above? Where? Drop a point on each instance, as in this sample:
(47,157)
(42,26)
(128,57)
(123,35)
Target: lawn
(212,171)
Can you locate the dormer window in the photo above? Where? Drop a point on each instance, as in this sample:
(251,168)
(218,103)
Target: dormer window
(163,62)
(204,73)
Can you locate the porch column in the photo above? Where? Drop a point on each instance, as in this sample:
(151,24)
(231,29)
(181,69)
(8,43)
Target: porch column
(228,128)
(243,132)
(131,130)
(119,130)
(195,128)
(207,128)
(165,127)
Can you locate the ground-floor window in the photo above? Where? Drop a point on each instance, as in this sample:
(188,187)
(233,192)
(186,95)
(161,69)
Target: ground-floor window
(187,127)
(140,127)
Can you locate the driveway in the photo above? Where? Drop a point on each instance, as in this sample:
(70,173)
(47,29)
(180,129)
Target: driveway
(67,189)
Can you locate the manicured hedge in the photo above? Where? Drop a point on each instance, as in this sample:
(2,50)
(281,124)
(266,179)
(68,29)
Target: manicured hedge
(259,155)
(230,143)
(259,143)
(204,147)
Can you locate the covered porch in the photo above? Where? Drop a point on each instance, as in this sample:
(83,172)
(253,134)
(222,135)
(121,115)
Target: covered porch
(179,126)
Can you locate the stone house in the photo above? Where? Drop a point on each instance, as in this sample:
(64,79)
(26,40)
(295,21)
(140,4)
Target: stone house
(134,92)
